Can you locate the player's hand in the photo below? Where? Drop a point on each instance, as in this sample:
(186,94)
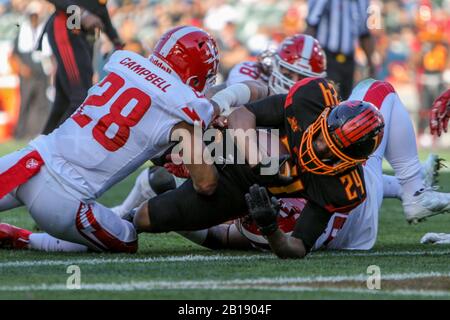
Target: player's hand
(440,114)
(220,122)
(262,209)
(90,21)
(178,170)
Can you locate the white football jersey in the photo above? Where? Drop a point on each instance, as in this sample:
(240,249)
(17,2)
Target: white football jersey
(245,71)
(125,120)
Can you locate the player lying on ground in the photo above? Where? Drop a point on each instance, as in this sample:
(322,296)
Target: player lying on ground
(334,170)
(357,230)
(127,118)
(298,57)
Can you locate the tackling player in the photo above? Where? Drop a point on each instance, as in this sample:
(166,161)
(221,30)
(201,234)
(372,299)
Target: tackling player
(127,118)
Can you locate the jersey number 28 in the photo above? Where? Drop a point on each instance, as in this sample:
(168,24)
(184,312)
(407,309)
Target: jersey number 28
(122,123)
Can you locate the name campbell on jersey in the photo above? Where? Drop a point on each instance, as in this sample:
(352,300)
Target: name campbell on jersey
(126,119)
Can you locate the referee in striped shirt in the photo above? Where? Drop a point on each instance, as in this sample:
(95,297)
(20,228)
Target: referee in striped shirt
(337,24)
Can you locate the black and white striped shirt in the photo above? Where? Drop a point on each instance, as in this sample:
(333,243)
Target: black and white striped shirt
(339,23)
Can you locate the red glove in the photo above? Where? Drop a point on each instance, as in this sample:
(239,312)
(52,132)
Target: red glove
(440,114)
(178,170)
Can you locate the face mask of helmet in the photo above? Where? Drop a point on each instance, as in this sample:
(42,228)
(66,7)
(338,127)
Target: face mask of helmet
(319,154)
(298,57)
(283,77)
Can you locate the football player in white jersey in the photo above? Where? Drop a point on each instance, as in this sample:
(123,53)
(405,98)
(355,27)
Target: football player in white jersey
(129,117)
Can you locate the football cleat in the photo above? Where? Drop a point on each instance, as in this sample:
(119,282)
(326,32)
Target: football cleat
(430,170)
(12,237)
(426,203)
(435,238)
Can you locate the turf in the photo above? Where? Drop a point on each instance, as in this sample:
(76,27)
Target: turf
(169,267)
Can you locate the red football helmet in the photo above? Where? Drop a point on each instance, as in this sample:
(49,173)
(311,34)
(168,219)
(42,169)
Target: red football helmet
(300,54)
(192,54)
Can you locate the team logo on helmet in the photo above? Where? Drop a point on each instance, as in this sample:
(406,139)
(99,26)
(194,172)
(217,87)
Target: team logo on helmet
(192,54)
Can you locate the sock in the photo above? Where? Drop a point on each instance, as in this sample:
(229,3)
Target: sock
(45,242)
(391,187)
(141,192)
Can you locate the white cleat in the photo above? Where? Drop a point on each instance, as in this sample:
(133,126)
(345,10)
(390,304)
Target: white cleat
(430,170)
(426,203)
(435,238)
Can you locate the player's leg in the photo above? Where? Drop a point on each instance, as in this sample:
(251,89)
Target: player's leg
(74,71)
(183,209)
(60,104)
(430,173)
(149,183)
(9,200)
(399,148)
(220,237)
(391,187)
(419,200)
(80,225)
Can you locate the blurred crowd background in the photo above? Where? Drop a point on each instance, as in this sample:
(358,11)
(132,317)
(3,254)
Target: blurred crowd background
(412,45)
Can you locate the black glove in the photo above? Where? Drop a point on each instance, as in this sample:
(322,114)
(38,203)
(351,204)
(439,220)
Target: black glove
(273,180)
(262,209)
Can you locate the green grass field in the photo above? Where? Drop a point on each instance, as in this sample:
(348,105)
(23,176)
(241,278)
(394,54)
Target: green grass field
(169,267)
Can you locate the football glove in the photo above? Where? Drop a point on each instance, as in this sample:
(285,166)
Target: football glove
(262,209)
(440,114)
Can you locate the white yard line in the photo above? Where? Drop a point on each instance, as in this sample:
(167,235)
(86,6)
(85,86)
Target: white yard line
(288,285)
(97,261)
(359,253)
(209,258)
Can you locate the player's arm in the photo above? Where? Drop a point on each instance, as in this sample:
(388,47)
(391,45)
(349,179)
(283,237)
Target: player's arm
(238,94)
(89,21)
(265,211)
(204,176)
(268,112)
(309,226)
(109,29)
(215,89)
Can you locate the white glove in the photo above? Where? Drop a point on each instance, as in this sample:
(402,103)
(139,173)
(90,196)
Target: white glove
(436,238)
